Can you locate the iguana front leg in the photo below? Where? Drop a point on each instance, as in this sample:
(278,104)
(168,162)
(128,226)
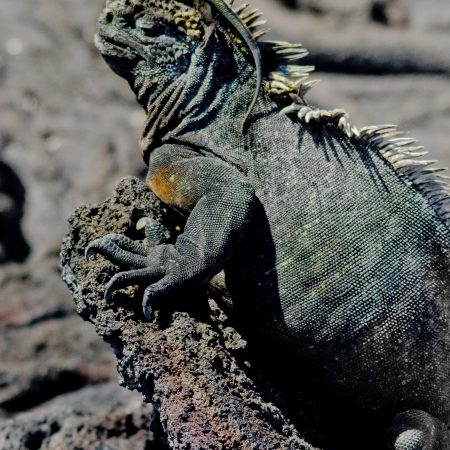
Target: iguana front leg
(218,201)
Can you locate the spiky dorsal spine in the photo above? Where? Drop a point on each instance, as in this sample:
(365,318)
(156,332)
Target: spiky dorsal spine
(398,150)
(252,19)
(401,152)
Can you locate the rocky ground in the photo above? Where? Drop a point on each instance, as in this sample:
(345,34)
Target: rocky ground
(68,133)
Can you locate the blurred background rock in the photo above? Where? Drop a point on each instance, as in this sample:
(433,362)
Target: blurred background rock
(68,132)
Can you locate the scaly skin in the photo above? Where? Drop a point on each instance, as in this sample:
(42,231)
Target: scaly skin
(227,12)
(328,247)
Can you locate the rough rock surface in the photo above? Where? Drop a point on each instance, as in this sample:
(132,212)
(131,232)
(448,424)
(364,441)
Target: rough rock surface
(187,360)
(105,417)
(45,349)
(58,148)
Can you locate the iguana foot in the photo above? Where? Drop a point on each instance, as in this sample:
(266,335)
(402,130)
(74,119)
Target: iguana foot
(415,430)
(158,266)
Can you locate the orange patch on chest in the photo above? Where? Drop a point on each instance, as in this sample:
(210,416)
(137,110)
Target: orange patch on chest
(162,184)
(168,187)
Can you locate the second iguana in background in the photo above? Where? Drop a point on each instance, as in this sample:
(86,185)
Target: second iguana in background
(334,241)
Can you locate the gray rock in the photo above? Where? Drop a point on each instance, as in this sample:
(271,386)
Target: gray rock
(69,129)
(338,44)
(68,132)
(46,350)
(187,360)
(435,16)
(48,359)
(389,12)
(103,417)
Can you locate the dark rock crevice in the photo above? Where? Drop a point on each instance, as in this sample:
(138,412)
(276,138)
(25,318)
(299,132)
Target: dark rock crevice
(13,246)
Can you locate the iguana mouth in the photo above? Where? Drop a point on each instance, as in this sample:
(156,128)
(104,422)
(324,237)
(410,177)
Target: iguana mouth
(105,44)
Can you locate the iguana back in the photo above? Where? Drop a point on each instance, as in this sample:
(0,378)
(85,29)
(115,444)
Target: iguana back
(361,264)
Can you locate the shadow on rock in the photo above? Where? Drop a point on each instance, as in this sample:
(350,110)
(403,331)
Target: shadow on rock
(13,246)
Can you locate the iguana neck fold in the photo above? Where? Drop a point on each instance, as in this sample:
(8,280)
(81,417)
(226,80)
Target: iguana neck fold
(163,104)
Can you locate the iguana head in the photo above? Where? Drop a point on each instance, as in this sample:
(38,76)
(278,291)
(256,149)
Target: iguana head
(148,40)
(151,41)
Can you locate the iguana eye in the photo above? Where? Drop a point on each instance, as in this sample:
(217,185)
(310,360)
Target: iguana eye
(143,23)
(151,28)
(109,18)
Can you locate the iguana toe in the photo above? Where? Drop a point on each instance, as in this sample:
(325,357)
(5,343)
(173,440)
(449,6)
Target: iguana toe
(156,266)
(118,240)
(148,312)
(108,247)
(124,279)
(156,291)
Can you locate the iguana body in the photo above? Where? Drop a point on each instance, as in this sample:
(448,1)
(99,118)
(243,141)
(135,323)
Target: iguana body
(331,238)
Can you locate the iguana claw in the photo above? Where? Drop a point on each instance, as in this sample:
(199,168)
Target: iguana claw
(120,250)
(148,312)
(150,265)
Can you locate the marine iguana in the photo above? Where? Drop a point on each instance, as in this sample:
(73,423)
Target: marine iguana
(333,239)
